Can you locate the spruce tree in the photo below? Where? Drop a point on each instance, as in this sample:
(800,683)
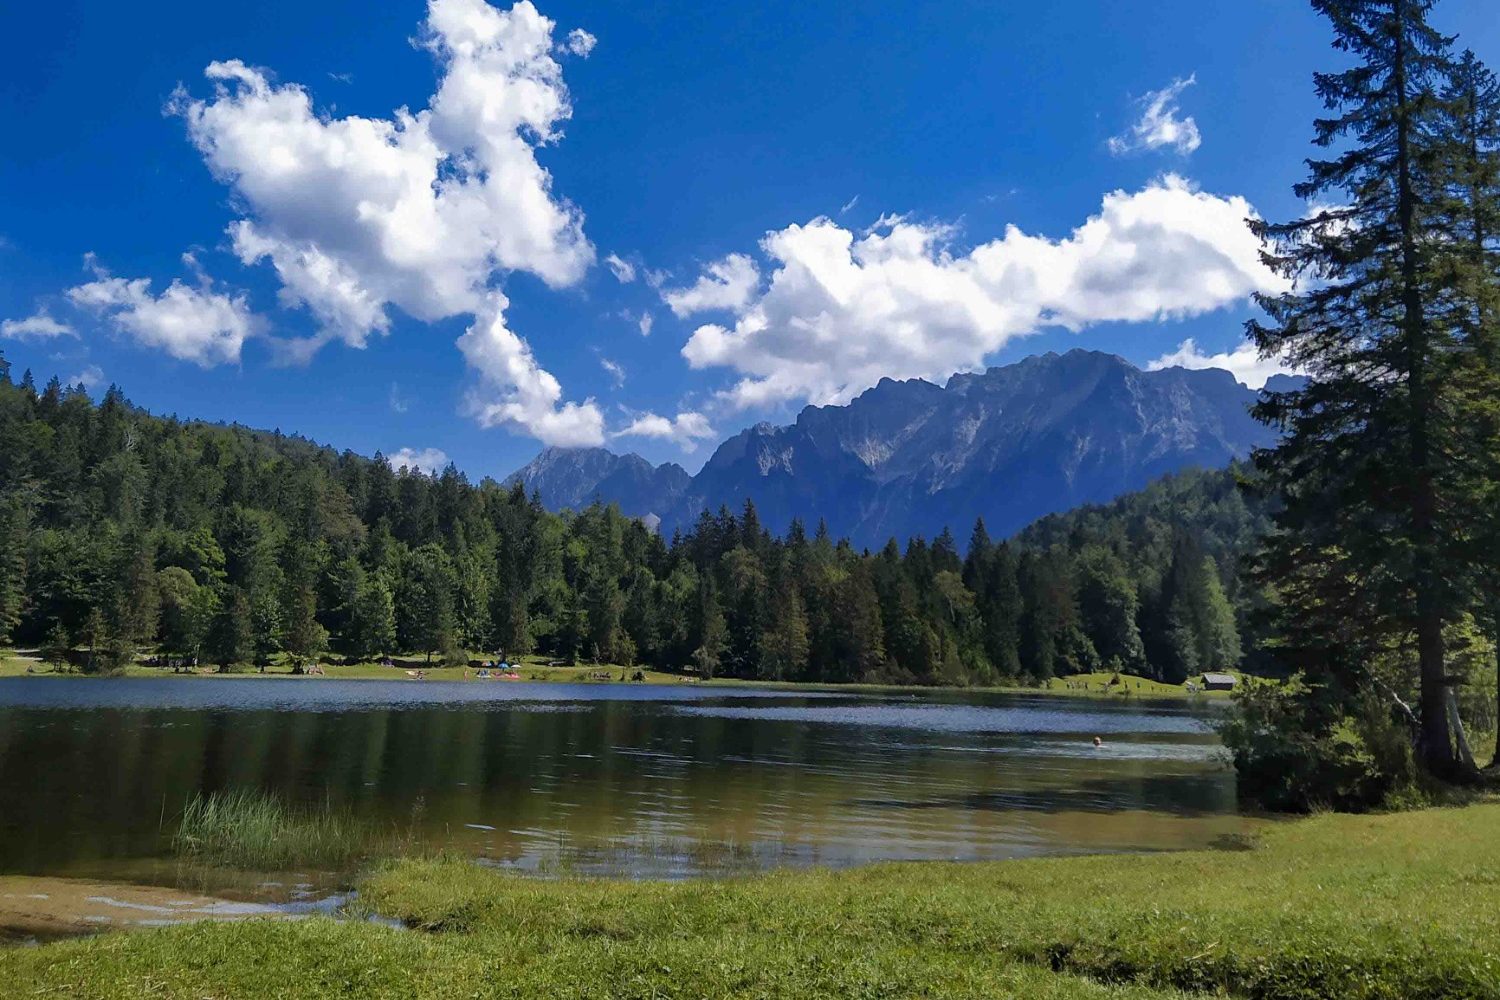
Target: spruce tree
(56,648)
(1367,486)
(1471,105)
(306,639)
(713,632)
(232,635)
(13,539)
(373,619)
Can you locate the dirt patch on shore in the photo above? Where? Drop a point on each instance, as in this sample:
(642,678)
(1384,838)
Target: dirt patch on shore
(38,908)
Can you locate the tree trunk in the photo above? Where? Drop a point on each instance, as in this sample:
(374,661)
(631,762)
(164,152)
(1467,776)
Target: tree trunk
(1494,636)
(1434,744)
(1465,755)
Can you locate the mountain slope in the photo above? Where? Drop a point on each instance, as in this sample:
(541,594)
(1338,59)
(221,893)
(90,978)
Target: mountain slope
(573,477)
(1010,444)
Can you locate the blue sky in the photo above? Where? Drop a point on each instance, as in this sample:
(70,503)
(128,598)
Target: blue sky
(806,196)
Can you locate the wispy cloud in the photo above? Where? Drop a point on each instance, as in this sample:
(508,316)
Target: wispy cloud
(38,326)
(90,378)
(616,371)
(622,269)
(1160,124)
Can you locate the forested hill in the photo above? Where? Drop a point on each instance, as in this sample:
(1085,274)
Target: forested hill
(128,534)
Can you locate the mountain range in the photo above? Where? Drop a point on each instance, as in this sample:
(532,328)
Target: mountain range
(1010,444)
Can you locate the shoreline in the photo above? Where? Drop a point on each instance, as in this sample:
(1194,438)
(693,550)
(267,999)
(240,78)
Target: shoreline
(1094,686)
(1379,906)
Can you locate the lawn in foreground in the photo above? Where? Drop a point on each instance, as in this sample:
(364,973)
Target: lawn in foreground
(1397,906)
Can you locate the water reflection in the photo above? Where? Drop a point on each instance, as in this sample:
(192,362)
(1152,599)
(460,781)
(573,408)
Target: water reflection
(654,782)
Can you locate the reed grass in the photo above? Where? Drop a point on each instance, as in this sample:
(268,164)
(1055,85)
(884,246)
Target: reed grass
(250,829)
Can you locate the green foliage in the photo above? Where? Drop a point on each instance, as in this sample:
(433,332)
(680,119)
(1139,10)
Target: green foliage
(233,547)
(231,637)
(55,650)
(1389,450)
(306,639)
(1299,749)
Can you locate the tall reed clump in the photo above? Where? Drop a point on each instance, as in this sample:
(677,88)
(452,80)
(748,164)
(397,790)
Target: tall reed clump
(250,829)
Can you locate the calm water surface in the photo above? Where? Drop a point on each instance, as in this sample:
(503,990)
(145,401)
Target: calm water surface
(608,779)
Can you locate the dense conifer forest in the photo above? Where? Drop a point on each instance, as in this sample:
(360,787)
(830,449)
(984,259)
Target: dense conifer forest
(126,535)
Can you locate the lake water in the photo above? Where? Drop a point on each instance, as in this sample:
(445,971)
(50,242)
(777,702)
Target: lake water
(607,779)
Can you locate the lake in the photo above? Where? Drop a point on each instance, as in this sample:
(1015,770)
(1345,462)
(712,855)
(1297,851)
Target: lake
(656,782)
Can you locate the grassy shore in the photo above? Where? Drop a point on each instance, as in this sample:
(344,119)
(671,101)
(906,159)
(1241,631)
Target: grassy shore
(1378,908)
(1094,685)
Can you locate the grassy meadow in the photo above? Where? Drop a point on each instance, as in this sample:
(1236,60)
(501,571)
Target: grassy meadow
(1391,907)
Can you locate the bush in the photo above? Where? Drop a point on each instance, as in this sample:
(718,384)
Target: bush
(1295,755)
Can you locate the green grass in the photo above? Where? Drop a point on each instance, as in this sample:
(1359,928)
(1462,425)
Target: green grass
(1364,908)
(249,829)
(533,668)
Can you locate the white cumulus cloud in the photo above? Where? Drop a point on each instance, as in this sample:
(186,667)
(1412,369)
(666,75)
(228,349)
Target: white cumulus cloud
(1160,124)
(517,392)
(726,284)
(428,460)
(196,324)
(840,310)
(581,43)
(38,326)
(685,430)
(422,210)
(1244,363)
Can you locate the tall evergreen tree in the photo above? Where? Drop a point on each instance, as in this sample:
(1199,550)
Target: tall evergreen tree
(13,537)
(1472,128)
(232,637)
(306,639)
(374,618)
(713,632)
(1366,483)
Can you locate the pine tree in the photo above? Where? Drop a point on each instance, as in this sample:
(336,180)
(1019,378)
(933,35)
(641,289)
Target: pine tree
(1108,605)
(1472,118)
(13,538)
(713,633)
(1002,609)
(783,643)
(858,634)
(96,636)
(306,639)
(265,626)
(1364,478)
(231,638)
(374,619)
(57,647)
(604,604)
(1217,637)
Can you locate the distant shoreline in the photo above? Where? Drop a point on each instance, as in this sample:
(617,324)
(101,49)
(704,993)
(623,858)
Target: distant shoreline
(1096,686)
